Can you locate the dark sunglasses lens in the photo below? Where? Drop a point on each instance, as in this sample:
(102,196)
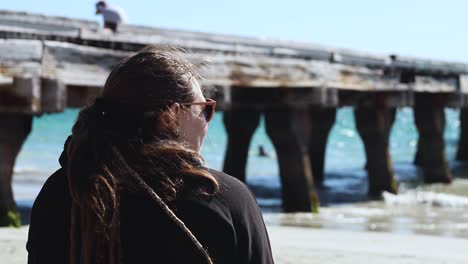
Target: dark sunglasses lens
(208,112)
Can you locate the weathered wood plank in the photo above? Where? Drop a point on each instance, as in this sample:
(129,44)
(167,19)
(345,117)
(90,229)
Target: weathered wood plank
(86,53)
(20,50)
(53,95)
(43,24)
(11,69)
(78,65)
(435,84)
(430,66)
(5,80)
(17,31)
(19,58)
(190,44)
(84,66)
(463,82)
(23,96)
(89,66)
(288,72)
(137,36)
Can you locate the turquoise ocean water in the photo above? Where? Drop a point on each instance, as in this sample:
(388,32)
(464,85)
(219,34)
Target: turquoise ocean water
(344,197)
(345,156)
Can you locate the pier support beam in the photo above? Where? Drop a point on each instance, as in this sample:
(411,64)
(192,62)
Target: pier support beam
(321,121)
(462,152)
(373,125)
(240,124)
(287,129)
(14,130)
(429,116)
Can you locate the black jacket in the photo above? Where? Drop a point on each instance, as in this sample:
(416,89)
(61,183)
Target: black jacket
(229,225)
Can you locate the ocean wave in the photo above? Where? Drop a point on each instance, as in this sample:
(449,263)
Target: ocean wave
(27,171)
(430,198)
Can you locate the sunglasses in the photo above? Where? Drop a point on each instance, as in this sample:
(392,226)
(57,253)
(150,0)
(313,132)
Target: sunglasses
(208,109)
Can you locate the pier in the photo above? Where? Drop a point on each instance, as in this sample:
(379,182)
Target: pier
(50,63)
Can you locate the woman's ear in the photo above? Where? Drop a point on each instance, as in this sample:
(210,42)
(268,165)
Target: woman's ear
(175,107)
(175,112)
(176,117)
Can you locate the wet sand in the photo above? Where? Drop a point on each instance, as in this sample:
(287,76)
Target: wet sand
(307,245)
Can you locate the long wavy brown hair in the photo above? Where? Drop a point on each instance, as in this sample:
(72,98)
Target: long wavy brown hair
(127,140)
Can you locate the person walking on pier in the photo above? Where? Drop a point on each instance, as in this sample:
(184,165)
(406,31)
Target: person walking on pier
(133,187)
(113,16)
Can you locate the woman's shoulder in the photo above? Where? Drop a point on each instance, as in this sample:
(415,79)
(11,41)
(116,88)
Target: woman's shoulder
(230,186)
(55,186)
(234,194)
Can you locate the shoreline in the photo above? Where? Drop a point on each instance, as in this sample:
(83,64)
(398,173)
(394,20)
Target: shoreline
(436,210)
(307,245)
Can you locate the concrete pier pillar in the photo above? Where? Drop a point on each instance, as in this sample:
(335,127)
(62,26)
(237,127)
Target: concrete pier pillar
(462,152)
(14,130)
(429,116)
(288,131)
(373,125)
(240,124)
(321,122)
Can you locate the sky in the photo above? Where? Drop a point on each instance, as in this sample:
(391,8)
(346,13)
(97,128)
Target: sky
(429,29)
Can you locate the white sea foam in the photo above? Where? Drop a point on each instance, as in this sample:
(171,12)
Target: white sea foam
(415,197)
(26,170)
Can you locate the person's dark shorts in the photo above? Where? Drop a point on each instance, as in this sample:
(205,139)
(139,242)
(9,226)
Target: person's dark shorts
(111,26)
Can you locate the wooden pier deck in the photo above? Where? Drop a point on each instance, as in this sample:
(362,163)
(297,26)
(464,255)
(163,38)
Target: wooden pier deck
(50,63)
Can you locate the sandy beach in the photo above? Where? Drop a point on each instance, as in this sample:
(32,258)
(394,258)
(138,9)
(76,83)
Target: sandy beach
(306,245)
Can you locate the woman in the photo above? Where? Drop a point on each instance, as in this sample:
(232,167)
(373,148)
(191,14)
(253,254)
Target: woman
(133,188)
